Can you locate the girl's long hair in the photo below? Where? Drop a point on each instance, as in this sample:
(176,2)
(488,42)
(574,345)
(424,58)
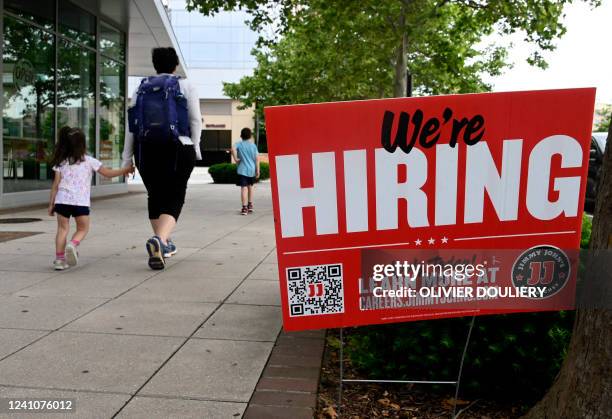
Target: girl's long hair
(70,147)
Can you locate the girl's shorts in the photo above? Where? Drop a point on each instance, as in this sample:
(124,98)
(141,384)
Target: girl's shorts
(245,180)
(67,211)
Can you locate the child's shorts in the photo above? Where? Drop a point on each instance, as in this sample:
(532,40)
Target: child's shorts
(245,180)
(67,211)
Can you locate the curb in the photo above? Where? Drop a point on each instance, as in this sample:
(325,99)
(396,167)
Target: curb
(288,384)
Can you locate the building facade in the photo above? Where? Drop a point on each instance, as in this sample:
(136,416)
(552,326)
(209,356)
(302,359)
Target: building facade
(67,62)
(217,49)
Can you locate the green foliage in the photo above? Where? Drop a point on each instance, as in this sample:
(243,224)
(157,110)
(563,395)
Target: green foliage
(226,172)
(223,173)
(328,51)
(510,357)
(585,237)
(605,115)
(335,54)
(264,171)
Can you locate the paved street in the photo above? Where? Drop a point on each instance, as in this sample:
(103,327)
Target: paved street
(189,341)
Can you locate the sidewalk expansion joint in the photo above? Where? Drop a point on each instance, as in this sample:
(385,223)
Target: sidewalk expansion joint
(200,325)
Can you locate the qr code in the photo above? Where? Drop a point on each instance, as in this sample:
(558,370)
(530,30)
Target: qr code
(314,290)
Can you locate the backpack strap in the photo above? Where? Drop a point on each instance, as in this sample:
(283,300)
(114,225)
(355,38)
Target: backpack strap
(182,111)
(172,89)
(140,107)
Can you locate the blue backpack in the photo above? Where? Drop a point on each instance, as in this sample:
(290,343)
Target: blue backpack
(160,114)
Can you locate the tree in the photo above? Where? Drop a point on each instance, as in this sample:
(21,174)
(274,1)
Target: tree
(320,58)
(435,40)
(582,387)
(605,115)
(30,44)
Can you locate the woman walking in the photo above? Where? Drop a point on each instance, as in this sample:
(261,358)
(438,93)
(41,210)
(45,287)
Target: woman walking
(165,127)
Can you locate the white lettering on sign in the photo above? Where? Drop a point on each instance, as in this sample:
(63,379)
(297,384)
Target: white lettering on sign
(446,184)
(293,197)
(356,190)
(389,190)
(482,175)
(568,187)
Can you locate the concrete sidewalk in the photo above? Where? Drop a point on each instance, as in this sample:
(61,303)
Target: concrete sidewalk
(126,341)
(199,176)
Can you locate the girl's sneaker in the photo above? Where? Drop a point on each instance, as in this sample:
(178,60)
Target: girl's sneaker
(155,248)
(244,211)
(250,207)
(169,249)
(60,264)
(72,255)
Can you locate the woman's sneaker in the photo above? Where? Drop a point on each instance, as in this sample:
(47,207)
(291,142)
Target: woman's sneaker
(244,210)
(169,249)
(60,264)
(250,207)
(155,248)
(72,255)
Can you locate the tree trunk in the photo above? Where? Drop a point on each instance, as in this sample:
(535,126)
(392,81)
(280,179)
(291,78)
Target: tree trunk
(39,108)
(400,79)
(583,386)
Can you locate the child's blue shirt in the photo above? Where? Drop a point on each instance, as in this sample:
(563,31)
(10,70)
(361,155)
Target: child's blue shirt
(247,153)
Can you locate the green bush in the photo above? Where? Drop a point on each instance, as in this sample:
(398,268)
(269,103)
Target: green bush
(587,225)
(226,172)
(510,356)
(264,171)
(223,173)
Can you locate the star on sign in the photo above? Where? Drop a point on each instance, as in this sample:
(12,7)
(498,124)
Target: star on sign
(431,240)
(519,277)
(444,240)
(417,242)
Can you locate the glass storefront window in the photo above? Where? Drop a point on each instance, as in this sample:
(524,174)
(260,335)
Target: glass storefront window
(57,72)
(112,42)
(112,114)
(76,23)
(41,12)
(76,90)
(28,118)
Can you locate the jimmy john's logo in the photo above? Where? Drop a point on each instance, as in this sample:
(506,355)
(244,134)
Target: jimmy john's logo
(543,266)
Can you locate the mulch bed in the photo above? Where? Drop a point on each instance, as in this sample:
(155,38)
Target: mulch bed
(6,236)
(393,400)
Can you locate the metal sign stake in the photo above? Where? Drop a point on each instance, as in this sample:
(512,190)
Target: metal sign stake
(456,383)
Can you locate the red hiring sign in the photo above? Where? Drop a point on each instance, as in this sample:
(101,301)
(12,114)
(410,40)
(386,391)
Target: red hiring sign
(479,171)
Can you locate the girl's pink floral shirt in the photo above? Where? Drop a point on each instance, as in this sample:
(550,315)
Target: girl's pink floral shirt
(75,184)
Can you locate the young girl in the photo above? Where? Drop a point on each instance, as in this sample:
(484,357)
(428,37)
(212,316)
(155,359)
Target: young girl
(71,191)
